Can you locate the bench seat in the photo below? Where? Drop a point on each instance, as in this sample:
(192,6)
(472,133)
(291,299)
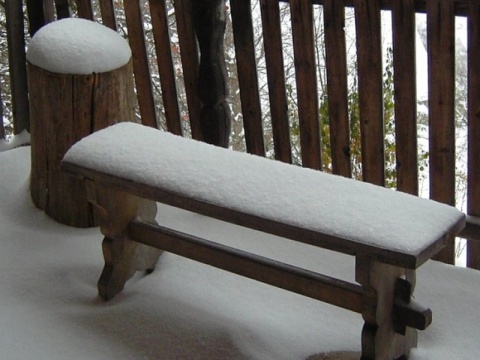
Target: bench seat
(309,206)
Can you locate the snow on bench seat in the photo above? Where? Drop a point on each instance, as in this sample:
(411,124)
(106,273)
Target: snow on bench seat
(316,208)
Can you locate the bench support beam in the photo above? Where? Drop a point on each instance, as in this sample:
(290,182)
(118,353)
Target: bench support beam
(387,310)
(320,287)
(123,256)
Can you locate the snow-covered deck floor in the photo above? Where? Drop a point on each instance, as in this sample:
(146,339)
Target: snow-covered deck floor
(49,308)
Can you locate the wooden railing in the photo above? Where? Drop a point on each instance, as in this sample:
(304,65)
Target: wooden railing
(200,93)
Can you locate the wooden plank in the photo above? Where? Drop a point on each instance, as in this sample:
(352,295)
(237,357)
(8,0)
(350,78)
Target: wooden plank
(441,102)
(270,226)
(272,40)
(38,177)
(248,80)
(370,89)
(163,48)
(305,72)
(471,232)
(337,86)
(143,81)
(190,62)
(209,19)
(49,10)
(320,287)
(473,192)
(403,27)
(17,65)
(36,16)
(63,9)
(2,125)
(108,14)
(113,97)
(84,8)
(379,337)
(123,257)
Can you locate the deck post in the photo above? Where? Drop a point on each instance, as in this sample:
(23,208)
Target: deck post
(209,18)
(64,108)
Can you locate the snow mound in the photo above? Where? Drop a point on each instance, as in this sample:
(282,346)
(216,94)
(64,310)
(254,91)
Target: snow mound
(78,46)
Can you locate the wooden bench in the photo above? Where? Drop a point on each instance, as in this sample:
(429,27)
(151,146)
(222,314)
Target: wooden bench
(128,167)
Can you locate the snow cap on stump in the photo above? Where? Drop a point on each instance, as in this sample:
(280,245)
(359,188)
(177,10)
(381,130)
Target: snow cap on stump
(78,46)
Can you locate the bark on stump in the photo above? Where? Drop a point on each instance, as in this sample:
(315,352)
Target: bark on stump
(65,108)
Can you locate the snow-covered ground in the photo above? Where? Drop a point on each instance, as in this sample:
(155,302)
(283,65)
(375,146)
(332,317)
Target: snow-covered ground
(49,307)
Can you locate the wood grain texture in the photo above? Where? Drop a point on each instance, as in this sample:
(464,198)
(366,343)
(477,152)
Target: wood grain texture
(473,192)
(306,79)
(337,86)
(2,126)
(370,89)
(379,338)
(109,17)
(84,9)
(209,19)
(64,109)
(404,30)
(441,103)
(300,281)
(163,50)
(190,63)
(247,79)
(17,65)
(272,39)
(123,256)
(143,80)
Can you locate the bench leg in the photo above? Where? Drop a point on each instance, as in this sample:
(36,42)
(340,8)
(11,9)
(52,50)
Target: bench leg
(385,335)
(123,256)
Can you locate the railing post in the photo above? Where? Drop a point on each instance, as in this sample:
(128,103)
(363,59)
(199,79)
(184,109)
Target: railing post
(68,102)
(16,63)
(473,206)
(209,18)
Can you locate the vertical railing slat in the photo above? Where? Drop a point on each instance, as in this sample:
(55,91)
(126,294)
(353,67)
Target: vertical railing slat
(247,79)
(403,28)
(49,10)
(107,10)
(337,86)
(36,15)
(473,195)
(63,9)
(272,40)
(143,81)
(17,65)
(370,89)
(165,65)
(2,125)
(305,72)
(441,100)
(190,62)
(209,19)
(84,8)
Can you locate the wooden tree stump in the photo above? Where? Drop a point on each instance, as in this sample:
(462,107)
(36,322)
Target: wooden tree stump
(64,108)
